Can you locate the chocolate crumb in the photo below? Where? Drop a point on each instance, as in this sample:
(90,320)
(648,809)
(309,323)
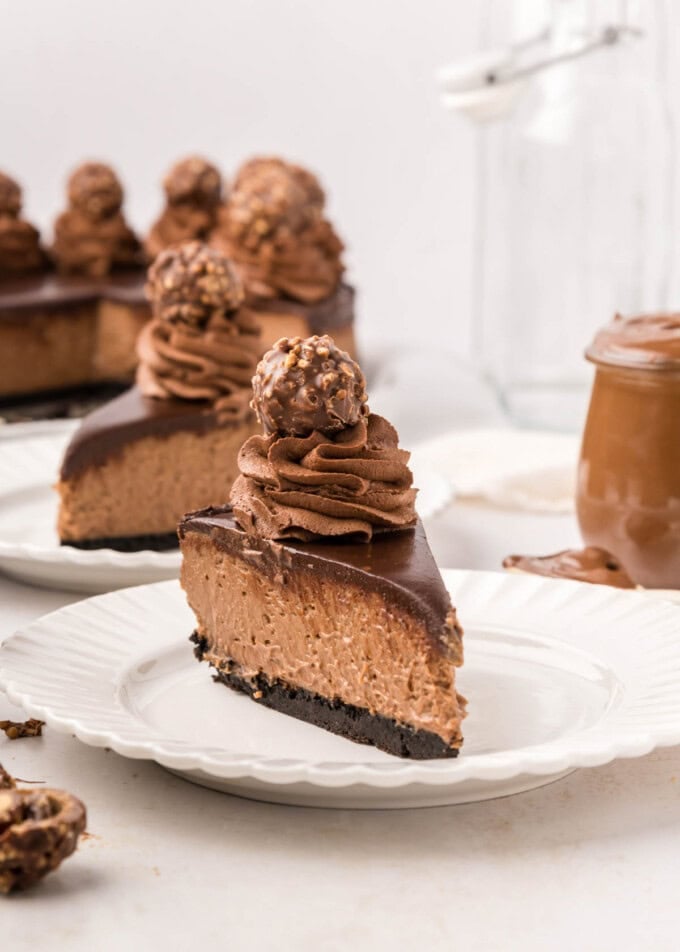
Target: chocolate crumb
(14,730)
(6,781)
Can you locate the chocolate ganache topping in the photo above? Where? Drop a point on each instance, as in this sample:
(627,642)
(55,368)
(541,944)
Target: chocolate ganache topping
(20,251)
(201,344)
(193,191)
(92,237)
(326,466)
(273,226)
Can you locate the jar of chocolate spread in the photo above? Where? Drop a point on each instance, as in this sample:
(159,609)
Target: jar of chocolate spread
(628,496)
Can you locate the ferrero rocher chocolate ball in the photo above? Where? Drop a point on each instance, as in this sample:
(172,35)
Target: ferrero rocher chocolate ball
(10,196)
(193,181)
(307,385)
(94,190)
(270,166)
(190,283)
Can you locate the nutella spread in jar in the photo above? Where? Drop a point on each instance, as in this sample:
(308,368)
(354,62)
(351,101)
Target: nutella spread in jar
(628,496)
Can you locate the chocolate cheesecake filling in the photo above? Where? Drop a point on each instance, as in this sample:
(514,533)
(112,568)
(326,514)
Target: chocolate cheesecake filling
(355,723)
(338,625)
(131,416)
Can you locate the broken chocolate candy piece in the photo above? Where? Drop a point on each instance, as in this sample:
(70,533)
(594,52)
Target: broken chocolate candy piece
(38,830)
(16,729)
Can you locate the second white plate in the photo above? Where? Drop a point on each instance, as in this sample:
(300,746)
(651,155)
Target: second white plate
(29,546)
(558,675)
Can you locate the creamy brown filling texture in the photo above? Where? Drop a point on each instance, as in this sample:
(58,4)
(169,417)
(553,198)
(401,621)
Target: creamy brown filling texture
(339,641)
(79,344)
(277,324)
(148,485)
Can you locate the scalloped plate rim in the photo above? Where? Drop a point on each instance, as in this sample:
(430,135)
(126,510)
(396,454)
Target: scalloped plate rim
(542,760)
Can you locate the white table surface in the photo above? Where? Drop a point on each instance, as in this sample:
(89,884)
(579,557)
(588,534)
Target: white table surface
(588,863)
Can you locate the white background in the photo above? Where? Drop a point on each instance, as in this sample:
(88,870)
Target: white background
(345,86)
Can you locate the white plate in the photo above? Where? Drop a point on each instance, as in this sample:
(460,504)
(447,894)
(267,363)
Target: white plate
(33,428)
(29,546)
(514,469)
(558,675)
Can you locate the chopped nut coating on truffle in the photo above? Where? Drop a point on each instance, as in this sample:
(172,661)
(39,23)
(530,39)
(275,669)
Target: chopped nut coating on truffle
(307,385)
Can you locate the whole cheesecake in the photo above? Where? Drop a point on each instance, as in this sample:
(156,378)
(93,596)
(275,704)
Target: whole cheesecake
(69,318)
(170,443)
(315,591)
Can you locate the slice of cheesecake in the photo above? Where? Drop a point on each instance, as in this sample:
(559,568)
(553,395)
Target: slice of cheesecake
(137,464)
(169,444)
(315,592)
(69,322)
(358,638)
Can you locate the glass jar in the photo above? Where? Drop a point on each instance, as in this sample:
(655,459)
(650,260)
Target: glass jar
(628,493)
(575,197)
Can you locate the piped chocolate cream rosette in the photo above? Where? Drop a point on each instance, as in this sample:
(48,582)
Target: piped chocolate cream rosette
(193,191)
(274,228)
(326,466)
(92,237)
(20,251)
(201,343)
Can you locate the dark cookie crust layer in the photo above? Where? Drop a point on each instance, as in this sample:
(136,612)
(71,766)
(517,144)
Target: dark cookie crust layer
(157,543)
(347,720)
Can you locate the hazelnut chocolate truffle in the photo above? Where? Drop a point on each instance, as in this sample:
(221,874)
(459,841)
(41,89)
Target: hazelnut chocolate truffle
(193,181)
(193,192)
(39,829)
(190,284)
(262,167)
(20,251)
(94,191)
(92,237)
(10,196)
(306,385)
(273,226)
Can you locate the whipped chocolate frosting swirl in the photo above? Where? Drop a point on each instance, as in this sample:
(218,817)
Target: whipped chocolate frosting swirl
(355,482)
(92,237)
(200,345)
(20,251)
(273,226)
(328,467)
